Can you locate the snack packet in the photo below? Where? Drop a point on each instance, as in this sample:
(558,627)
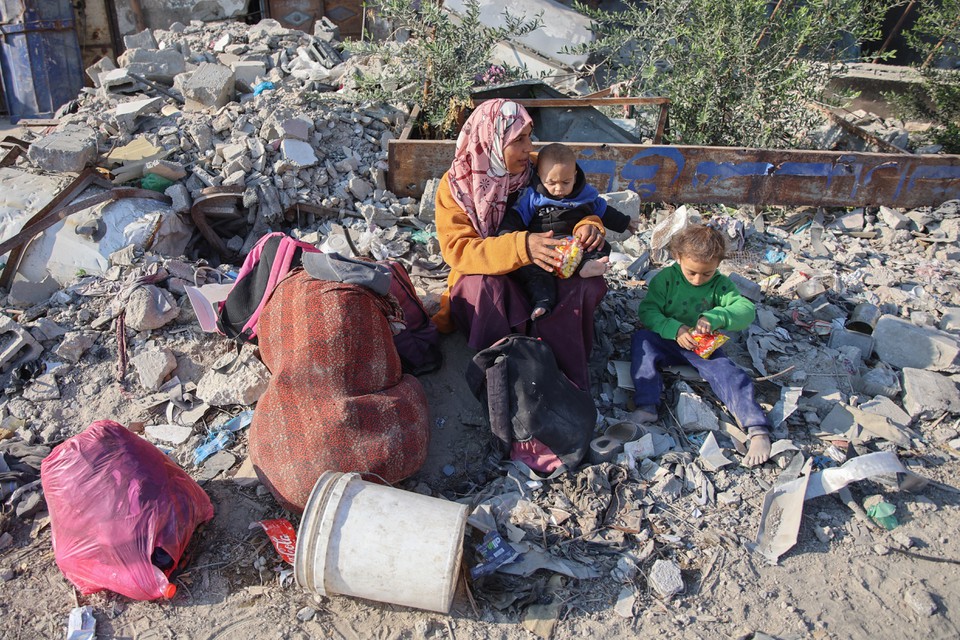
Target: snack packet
(570,255)
(707,343)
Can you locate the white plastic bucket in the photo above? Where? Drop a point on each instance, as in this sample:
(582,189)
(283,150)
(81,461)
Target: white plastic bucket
(363,539)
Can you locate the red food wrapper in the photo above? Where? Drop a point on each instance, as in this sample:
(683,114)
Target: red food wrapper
(707,343)
(571,253)
(282,535)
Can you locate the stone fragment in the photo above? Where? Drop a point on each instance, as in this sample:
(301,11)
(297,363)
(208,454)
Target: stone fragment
(210,86)
(243,383)
(747,287)
(74,345)
(166,169)
(902,344)
(246,475)
(299,153)
(149,308)
(920,601)
(50,329)
(888,409)
(142,40)
(360,188)
(172,433)
(694,414)
(101,66)
(180,196)
(894,219)
(154,366)
(43,387)
(927,393)
(625,602)
(161,65)
(126,113)
(67,150)
(950,320)
(295,129)
(665,578)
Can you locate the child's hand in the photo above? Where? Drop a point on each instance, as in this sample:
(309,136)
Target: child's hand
(634,225)
(703,326)
(589,236)
(685,338)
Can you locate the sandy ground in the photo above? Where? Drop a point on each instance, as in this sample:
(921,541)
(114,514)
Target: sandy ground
(856,585)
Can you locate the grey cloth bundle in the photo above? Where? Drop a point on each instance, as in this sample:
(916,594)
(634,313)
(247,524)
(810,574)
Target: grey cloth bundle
(334,267)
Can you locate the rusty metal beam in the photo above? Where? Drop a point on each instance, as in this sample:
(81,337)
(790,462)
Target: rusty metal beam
(579,102)
(726,175)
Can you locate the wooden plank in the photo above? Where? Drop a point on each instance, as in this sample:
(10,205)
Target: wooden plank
(727,175)
(579,102)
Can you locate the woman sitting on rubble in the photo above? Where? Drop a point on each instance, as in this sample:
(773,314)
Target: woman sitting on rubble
(490,169)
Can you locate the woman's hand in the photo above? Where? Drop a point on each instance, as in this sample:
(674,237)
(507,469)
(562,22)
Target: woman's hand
(589,236)
(542,248)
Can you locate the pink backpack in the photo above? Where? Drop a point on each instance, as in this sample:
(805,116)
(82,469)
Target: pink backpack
(271,259)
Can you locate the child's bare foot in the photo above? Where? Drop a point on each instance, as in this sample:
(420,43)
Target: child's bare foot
(759,451)
(643,414)
(538,312)
(593,268)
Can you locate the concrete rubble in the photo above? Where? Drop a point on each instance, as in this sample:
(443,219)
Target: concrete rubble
(309,160)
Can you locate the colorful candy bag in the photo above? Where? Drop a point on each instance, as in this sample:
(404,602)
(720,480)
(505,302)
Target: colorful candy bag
(707,343)
(571,253)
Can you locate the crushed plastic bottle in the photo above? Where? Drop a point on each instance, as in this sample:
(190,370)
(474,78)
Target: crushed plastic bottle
(882,514)
(216,441)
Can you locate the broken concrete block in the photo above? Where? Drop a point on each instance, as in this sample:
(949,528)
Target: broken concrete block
(142,40)
(101,66)
(211,86)
(243,383)
(166,169)
(74,345)
(694,414)
(295,129)
(902,344)
(180,196)
(920,601)
(428,202)
(842,337)
(154,366)
(887,408)
(172,433)
(68,150)
(161,65)
(360,188)
(18,346)
(950,320)
(894,219)
(149,308)
(665,578)
(926,393)
(298,152)
(247,74)
(850,222)
(126,113)
(119,81)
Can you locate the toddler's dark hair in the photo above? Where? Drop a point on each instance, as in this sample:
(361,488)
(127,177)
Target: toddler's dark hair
(700,243)
(556,153)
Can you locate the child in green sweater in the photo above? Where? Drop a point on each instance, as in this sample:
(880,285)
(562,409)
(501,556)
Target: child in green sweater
(688,299)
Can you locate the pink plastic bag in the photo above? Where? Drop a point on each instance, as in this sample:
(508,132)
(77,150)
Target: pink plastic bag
(115,500)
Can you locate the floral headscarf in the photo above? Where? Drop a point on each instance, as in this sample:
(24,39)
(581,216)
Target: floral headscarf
(479,180)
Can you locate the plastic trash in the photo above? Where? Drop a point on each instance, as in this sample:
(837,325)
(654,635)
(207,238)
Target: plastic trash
(493,553)
(153,182)
(263,86)
(114,500)
(282,535)
(882,514)
(222,436)
(81,625)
